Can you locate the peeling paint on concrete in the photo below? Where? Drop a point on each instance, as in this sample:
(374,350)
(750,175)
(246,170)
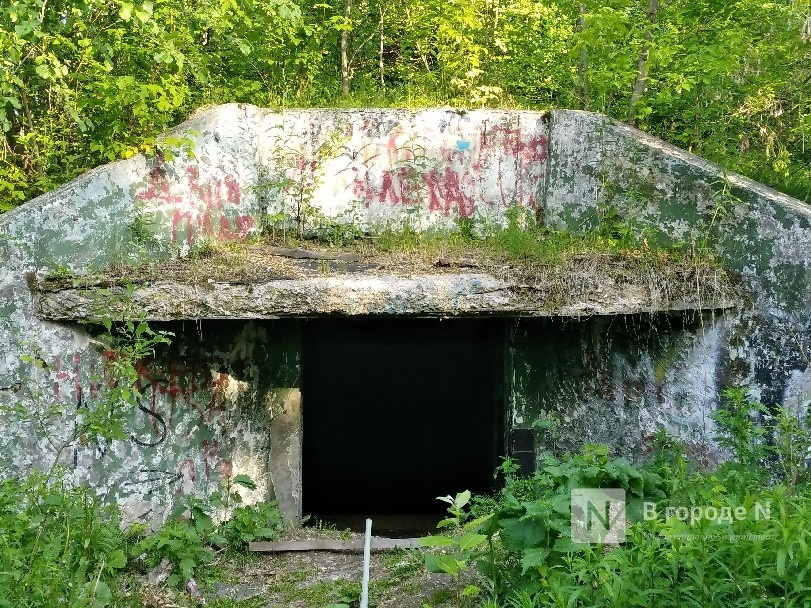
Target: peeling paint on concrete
(760,233)
(210,408)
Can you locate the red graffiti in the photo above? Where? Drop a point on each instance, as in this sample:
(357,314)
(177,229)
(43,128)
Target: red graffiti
(61,376)
(387,190)
(515,146)
(606,390)
(511,160)
(163,389)
(523,160)
(445,192)
(218,398)
(182,383)
(160,188)
(225,468)
(187,469)
(212,459)
(177,385)
(202,212)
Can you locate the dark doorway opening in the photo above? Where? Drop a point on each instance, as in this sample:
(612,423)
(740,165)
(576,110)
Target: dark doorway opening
(400,411)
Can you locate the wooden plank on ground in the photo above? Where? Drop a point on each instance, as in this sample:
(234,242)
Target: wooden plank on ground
(325,544)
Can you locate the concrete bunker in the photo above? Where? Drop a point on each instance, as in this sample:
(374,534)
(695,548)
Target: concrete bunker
(613,350)
(343,417)
(367,390)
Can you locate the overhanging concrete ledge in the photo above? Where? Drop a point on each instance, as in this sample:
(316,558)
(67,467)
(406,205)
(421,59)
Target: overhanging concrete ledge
(426,295)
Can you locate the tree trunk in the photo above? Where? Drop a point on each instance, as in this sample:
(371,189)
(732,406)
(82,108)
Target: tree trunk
(642,63)
(344,44)
(583,68)
(382,73)
(37,160)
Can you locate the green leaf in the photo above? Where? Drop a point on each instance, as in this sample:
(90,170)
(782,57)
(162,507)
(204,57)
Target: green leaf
(437,541)
(43,71)
(126,11)
(117,559)
(462,499)
(187,566)
(245,481)
(517,534)
(533,557)
(468,541)
(781,562)
(441,563)
(26,27)
(13,101)
(565,545)
(478,522)
(470,590)
(102,595)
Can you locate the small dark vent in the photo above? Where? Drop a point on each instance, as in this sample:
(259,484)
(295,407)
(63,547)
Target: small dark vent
(522,446)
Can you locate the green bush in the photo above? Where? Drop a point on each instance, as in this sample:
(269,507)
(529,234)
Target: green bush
(186,540)
(247,524)
(179,542)
(61,546)
(738,535)
(58,545)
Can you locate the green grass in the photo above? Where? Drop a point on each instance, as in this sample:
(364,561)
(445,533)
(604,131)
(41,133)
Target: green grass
(522,239)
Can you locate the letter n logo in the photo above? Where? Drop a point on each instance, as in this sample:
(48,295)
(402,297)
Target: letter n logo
(598,516)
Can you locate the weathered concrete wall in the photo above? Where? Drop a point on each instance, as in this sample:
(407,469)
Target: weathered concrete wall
(237,408)
(177,446)
(615,380)
(427,167)
(676,197)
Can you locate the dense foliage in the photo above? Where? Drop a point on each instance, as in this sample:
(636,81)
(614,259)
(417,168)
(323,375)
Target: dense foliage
(84,82)
(61,546)
(58,545)
(738,535)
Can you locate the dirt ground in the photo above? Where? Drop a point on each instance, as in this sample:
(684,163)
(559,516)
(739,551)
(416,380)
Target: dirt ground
(309,579)
(318,578)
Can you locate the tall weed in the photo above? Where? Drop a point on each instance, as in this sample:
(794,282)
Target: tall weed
(59,546)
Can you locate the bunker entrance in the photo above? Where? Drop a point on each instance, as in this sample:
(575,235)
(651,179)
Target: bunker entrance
(398,412)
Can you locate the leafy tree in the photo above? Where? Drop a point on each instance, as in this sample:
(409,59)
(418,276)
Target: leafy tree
(84,82)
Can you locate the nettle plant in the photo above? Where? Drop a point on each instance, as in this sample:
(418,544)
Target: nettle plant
(735,535)
(60,545)
(188,538)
